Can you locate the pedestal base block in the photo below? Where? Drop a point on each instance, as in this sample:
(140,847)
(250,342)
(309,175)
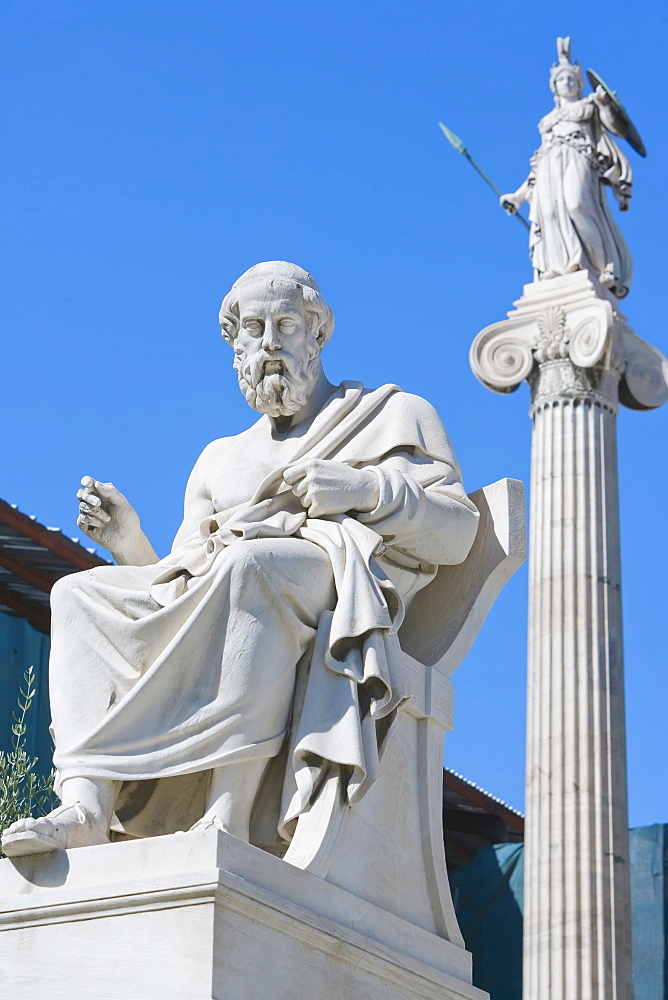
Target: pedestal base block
(203,916)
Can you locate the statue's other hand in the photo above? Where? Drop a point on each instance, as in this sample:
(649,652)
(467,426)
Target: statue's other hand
(509,203)
(105,515)
(326,487)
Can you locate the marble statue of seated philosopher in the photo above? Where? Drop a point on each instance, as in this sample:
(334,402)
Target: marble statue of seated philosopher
(269,633)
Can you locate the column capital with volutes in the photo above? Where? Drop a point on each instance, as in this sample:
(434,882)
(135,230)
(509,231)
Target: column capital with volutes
(568,339)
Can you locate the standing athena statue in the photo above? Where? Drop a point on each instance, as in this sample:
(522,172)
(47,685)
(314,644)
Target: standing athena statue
(571,223)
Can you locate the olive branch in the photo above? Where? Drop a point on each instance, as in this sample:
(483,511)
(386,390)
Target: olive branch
(23,791)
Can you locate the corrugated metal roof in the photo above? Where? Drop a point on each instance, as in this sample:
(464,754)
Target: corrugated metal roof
(459,780)
(32,558)
(472,818)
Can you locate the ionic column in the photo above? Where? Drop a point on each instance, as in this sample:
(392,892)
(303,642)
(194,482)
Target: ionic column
(580,359)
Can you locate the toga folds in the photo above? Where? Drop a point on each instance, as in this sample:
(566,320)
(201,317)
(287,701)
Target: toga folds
(265,633)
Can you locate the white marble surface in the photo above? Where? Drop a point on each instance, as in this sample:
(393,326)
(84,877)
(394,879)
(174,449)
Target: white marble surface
(570,317)
(401,866)
(577,897)
(202,915)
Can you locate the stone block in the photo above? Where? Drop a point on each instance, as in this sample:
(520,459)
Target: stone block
(203,916)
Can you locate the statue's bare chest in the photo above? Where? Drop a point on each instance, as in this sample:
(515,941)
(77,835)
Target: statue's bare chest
(241,464)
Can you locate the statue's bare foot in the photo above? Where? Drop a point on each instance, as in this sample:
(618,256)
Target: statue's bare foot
(231,796)
(65,827)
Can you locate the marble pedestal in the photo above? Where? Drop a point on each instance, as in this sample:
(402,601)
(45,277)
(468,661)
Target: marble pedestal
(203,916)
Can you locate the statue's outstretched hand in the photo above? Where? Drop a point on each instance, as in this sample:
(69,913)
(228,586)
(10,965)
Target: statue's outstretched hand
(110,520)
(325,487)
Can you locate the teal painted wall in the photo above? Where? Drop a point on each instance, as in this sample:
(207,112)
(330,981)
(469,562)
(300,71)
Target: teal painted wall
(649,906)
(488,895)
(20,647)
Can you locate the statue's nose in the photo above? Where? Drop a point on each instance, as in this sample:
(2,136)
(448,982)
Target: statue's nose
(270,340)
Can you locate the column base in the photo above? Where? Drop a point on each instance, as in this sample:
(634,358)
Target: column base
(203,916)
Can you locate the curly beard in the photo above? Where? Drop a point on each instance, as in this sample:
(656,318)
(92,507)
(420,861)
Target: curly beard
(281,393)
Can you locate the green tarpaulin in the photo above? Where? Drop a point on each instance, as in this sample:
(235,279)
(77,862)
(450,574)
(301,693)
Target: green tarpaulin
(488,900)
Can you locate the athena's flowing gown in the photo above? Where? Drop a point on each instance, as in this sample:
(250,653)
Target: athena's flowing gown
(571,222)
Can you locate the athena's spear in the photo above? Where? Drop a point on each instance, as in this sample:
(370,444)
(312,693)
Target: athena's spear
(457,143)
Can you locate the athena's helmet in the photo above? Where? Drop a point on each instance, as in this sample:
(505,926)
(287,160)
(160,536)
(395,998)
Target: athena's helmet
(564,56)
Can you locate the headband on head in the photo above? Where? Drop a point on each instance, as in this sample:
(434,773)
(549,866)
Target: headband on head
(279,270)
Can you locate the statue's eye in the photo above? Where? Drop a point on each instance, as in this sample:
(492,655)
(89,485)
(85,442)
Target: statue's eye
(254,326)
(287,325)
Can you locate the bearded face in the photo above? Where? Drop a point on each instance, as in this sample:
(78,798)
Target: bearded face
(276,354)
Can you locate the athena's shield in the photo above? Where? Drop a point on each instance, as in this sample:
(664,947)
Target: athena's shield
(630,132)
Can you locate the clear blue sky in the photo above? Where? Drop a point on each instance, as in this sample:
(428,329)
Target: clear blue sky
(155,149)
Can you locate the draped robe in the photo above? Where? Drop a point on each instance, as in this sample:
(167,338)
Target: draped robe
(572,224)
(166,671)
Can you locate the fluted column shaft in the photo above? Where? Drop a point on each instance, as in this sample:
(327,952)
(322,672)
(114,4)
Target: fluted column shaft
(576,907)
